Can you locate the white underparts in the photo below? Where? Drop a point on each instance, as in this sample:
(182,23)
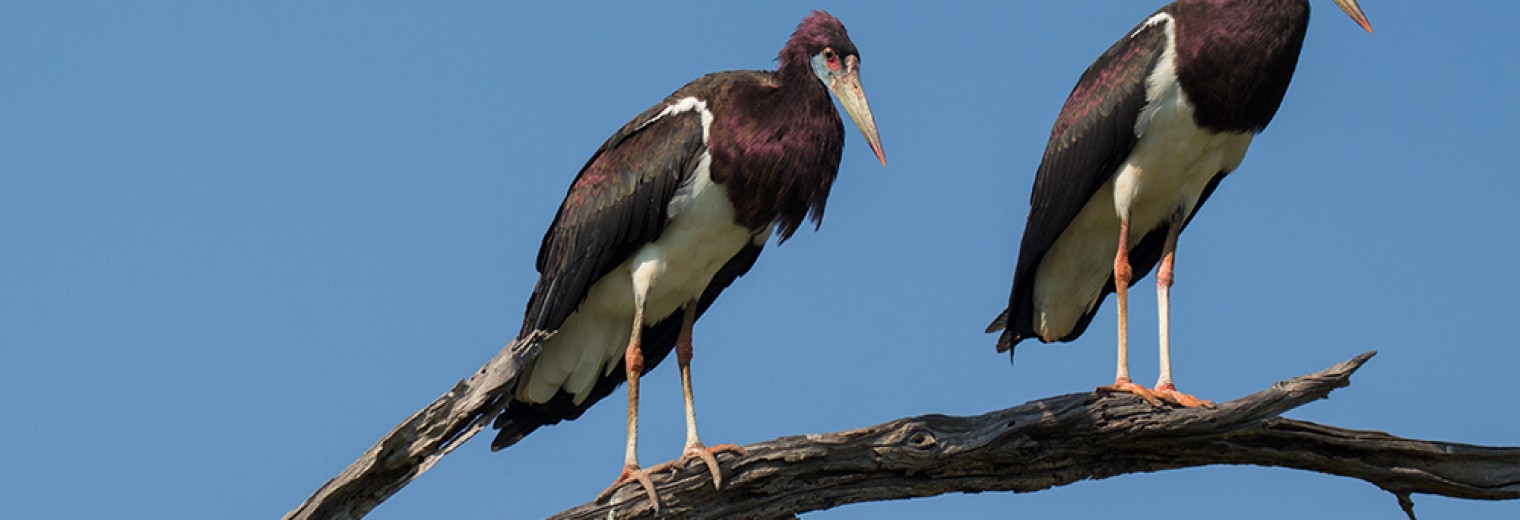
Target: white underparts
(1166,172)
(699,238)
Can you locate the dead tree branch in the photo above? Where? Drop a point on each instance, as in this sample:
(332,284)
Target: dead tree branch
(1034,446)
(417,443)
(1066,439)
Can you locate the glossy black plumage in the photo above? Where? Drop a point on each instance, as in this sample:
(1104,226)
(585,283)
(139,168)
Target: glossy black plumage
(1094,132)
(771,141)
(1233,61)
(521,418)
(617,203)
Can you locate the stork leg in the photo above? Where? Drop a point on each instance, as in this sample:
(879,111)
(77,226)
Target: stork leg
(633,360)
(1164,387)
(1123,274)
(694,447)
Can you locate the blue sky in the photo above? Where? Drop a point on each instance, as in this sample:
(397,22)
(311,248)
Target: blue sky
(239,243)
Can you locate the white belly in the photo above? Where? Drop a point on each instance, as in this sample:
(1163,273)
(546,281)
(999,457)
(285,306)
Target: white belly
(669,272)
(1167,172)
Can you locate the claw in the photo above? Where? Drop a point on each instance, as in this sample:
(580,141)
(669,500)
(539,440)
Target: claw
(705,454)
(633,473)
(708,457)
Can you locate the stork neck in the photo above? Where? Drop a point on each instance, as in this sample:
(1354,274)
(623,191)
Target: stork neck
(1236,58)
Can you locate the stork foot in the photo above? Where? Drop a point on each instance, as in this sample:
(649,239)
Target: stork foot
(1123,385)
(706,454)
(632,473)
(1168,392)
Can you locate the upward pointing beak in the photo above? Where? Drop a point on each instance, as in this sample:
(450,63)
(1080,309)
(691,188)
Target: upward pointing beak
(853,98)
(1355,11)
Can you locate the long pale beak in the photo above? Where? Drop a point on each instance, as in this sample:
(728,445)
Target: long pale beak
(853,98)
(1355,11)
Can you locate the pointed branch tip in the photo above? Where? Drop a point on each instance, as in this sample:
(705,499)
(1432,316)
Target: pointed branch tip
(1406,503)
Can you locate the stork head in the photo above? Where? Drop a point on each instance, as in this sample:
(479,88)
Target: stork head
(821,45)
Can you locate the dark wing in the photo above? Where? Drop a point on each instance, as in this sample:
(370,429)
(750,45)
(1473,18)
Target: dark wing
(616,205)
(520,419)
(1091,138)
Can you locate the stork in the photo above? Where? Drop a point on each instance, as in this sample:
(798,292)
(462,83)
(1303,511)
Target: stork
(1150,130)
(667,213)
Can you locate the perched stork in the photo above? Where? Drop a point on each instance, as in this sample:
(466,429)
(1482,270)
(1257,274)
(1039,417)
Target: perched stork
(666,214)
(1147,134)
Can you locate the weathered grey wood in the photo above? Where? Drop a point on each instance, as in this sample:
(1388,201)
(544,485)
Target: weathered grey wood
(413,446)
(1034,446)
(1061,440)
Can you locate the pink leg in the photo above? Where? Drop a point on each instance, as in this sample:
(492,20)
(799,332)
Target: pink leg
(694,447)
(633,360)
(1164,387)
(1123,274)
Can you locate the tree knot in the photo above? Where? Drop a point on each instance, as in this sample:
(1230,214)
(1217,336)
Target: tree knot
(921,440)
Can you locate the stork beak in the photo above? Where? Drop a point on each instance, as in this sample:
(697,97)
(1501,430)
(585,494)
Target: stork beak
(1355,11)
(853,98)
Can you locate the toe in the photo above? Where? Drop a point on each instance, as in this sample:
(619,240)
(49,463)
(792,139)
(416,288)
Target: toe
(1169,393)
(708,456)
(1126,387)
(632,473)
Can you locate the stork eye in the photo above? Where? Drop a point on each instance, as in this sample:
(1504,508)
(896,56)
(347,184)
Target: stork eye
(831,58)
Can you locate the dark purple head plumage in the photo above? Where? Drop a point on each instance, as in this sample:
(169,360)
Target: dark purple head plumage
(820,30)
(776,143)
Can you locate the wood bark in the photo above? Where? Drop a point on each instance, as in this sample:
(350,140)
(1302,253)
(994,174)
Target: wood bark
(1030,447)
(1061,440)
(413,446)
